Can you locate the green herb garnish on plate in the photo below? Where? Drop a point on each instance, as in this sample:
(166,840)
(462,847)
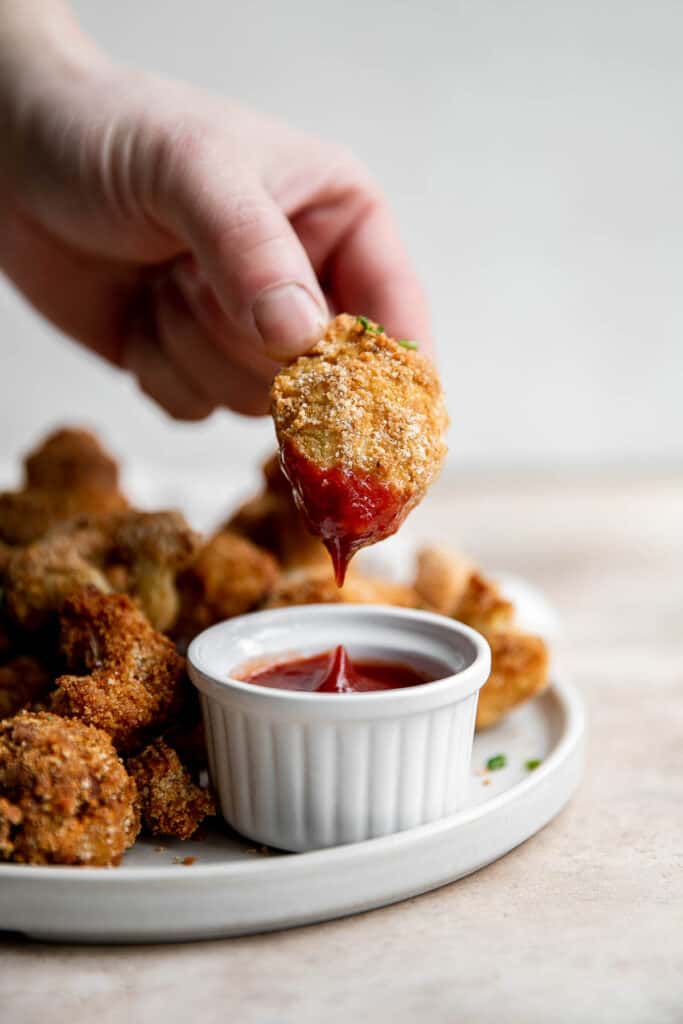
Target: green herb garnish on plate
(496,762)
(532,764)
(407,343)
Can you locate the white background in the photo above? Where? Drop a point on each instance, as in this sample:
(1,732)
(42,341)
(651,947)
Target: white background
(534,154)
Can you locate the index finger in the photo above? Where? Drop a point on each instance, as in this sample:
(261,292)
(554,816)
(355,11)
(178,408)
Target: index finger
(370,273)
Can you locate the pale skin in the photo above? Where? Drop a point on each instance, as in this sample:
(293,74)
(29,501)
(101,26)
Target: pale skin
(185,238)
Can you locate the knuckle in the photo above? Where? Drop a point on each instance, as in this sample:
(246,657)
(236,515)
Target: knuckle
(247,223)
(184,141)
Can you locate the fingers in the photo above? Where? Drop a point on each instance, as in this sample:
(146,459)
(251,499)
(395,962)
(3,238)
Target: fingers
(161,380)
(370,273)
(256,265)
(199,299)
(195,356)
(178,364)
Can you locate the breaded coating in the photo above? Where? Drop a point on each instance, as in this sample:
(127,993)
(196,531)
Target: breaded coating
(69,475)
(360,422)
(26,516)
(129,680)
(483,607)
(141,552)
(272,521)
(170,803)
(66,796)
(71,459)
(154,547)
(441,578)
(451,585)
(5,555)
(24,682)
(230,576)
(318,586)
(42,575)
(519,671)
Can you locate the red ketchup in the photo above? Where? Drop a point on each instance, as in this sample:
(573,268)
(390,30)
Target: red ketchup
(346,510)
(334,672)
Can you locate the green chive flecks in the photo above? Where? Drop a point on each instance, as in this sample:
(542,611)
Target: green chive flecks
(368,325)
(532,764)
(407,343)
(496,762)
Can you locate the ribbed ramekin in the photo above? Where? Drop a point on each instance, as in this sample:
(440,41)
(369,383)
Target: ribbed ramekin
(300,771)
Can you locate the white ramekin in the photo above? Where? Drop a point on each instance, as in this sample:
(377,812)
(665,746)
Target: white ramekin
(300,771)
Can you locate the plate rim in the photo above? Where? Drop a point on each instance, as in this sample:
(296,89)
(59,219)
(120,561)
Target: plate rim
(561,687)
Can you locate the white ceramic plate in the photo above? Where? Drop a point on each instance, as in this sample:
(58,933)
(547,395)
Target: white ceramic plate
(232,888)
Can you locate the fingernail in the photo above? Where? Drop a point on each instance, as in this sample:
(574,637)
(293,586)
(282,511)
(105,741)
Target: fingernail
(289,320)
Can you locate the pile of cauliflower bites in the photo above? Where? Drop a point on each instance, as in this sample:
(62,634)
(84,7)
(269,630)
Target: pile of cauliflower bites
(100,729)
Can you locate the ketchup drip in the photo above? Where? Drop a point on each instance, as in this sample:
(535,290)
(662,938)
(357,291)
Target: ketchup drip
(334,672)
(346,510)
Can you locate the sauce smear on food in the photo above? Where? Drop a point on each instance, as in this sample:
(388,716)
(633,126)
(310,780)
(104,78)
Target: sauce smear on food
(346,510)
(334,672)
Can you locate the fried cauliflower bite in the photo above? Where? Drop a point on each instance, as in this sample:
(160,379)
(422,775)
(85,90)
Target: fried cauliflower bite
(66,796)
(272,521)
(450,584)
(127,679)
(24,682)
(170,802)
(360,422)
(69,460)
(442,577)
(140,552)
(318,586)
(42,575)
(154,547)
(5,554)
(229,576)
(519,671)
(69,475)
(26,516)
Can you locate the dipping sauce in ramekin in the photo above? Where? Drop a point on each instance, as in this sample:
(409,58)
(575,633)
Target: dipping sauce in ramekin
(302,769)
(334,672)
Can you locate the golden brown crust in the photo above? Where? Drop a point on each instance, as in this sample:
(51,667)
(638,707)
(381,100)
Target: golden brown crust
(450,584)
(67,798)
(154,547)
(170,803)
(441,578)
(519,671)
(139,551)
(70,459)
(229,577)
(67,476)
(360,401)
(130,679)
(42,575)
(318,586)
(24,682)
(483,607)
(6,552)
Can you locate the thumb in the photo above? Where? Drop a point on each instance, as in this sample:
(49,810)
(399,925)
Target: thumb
(245,247)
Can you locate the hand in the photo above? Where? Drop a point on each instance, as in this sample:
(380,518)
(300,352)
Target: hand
(180,236)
